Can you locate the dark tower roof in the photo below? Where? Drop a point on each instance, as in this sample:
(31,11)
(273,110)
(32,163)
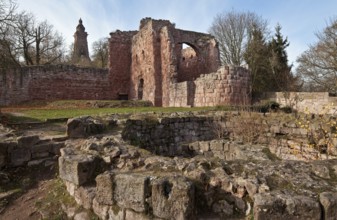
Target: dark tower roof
(80,26)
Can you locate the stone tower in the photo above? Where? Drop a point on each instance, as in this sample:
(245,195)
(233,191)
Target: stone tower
(81,52)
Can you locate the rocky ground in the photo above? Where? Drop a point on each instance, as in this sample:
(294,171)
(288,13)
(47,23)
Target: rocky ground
(246,182)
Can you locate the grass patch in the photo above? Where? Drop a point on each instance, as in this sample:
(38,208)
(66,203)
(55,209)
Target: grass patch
(43,114)
(51,205)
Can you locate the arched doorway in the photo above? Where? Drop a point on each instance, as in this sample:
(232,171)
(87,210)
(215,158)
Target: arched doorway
(140,89)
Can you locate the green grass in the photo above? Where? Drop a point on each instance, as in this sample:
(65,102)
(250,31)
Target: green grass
(43,114)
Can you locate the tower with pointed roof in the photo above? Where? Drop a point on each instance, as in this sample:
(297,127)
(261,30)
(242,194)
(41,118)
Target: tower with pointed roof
(81,52)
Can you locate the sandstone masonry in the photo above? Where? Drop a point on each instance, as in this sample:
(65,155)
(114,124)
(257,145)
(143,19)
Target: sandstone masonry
(149,64)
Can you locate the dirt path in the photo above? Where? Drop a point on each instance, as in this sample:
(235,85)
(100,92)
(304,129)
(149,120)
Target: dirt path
(24,208)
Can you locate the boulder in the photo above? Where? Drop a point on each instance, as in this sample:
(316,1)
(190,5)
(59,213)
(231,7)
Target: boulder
(279,206)
(84,126)
(173,198)
(131,191)
(329,204)
(78,169)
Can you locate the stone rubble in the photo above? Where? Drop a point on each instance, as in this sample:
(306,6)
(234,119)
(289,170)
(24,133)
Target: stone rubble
(121,174)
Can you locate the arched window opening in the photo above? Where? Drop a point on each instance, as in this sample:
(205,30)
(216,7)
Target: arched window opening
(187,52)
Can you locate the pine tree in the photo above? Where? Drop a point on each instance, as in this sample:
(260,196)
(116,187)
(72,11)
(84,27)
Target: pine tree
(257,58)
(283,79)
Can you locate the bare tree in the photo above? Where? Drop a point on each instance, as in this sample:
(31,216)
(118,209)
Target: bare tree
(49,44)
(23,32)
(232,31)
(37,43)
(7,10)
(101,52)
(318,65)
(7,17)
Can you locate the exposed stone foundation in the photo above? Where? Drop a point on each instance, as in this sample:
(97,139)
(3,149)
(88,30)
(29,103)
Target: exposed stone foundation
(220,179)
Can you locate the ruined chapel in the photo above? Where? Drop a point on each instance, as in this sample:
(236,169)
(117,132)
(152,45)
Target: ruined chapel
(158,63)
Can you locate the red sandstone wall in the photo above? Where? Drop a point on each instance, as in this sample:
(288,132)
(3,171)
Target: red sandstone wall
(228,86)
(169,63)
(207,54)
(120,44)
(147,61)
(52,83)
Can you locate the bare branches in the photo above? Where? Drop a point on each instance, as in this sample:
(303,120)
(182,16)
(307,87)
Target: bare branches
(233,30)
(101,52)
(318,65)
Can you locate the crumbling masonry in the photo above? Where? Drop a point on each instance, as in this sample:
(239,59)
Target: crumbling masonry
(150,64)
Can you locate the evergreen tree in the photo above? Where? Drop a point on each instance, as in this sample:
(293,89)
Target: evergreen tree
(283,79)
(257,58)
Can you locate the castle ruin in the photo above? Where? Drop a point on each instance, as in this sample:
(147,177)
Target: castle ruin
(149,64)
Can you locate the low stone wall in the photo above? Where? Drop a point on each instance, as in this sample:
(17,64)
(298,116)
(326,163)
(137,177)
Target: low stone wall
(29,150)
(228,86)
(171,135)
(313,102)
(166,136)
(53,82)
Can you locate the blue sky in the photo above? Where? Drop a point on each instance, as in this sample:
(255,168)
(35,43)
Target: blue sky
(300,19)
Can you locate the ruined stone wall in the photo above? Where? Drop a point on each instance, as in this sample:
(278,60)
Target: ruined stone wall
(157,59)
(168,61)
(143,65)
(205,58)
(29,150)
(52,83)
(228,86)
(166,136)
(313,102)
(120,43)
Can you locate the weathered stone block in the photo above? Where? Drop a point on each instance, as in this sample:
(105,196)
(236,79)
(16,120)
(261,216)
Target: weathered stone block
(55,148)
(78,169)
(41,150)
(84,196)
(279,206)
(83,127)
(329,203)
(116,213)
(131,191)
(105,188)
(28,141)
(129,214)
(100,210)
(19,156)
(217,145)
(204,146)
(173,198)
